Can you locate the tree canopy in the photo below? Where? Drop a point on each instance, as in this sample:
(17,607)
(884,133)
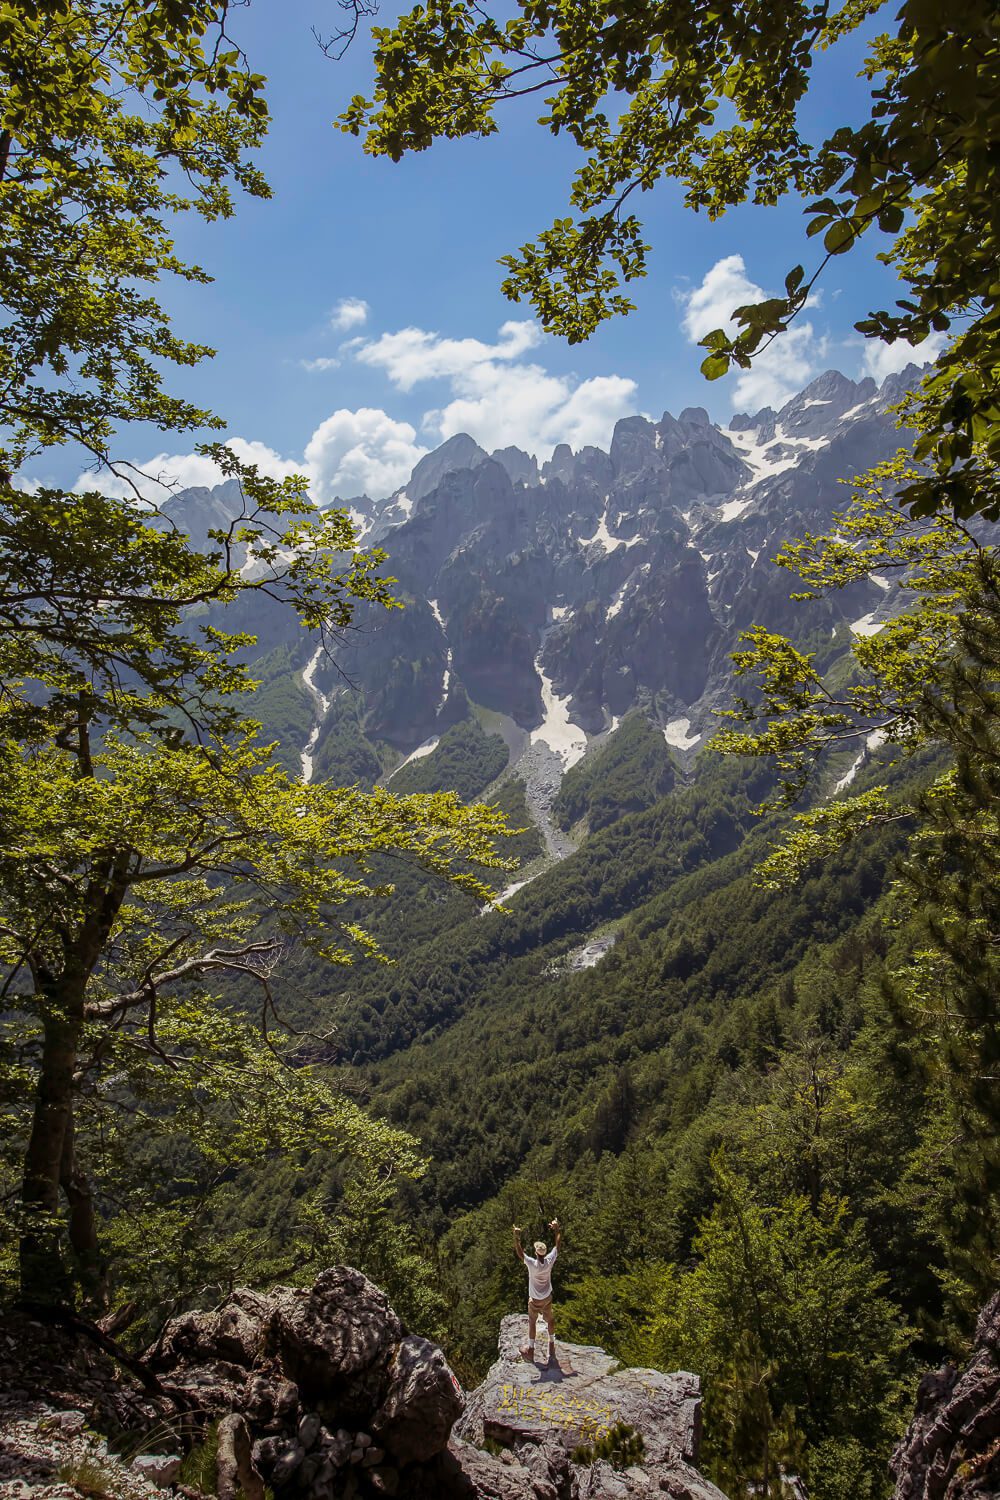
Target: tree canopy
(152,848)
(710,96)
(114,115)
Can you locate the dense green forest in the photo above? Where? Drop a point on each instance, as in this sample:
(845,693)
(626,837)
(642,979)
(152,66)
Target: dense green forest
(737,1059)
(744,1039)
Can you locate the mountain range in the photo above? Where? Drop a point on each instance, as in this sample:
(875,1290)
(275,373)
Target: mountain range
(546,603)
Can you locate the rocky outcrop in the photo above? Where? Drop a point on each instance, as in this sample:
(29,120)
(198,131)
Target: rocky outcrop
(333,1397)
(554,1419)
(320,1392)
(336,1397)
(951,1450)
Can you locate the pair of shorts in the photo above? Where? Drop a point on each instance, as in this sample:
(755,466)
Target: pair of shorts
(541,1305)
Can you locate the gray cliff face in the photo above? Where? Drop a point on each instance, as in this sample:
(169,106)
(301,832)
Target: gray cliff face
(619,580)
(564,597)
(951,1450)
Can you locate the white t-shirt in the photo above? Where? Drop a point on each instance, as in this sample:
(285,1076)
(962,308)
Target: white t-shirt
(540,1275)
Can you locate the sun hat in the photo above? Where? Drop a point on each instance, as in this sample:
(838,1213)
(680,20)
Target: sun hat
(539,1247)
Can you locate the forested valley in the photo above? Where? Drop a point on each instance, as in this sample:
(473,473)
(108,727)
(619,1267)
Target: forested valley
(606,839)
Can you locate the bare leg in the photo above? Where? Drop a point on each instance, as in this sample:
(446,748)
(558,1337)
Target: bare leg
(550,1320)
(528,1349)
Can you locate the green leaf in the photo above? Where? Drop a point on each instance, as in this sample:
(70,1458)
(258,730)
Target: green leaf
(839,237)
(714,366)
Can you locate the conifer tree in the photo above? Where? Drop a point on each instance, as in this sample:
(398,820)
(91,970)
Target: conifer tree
(950,993)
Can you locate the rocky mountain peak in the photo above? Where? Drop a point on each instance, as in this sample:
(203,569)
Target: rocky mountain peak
(822,402)
(560,465)
(522,467)
(552,604)
(458,452)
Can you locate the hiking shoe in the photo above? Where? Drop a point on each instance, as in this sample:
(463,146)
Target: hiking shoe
(528,1351)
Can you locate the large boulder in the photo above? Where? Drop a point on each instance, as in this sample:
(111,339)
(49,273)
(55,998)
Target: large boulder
(581,1397)
(335,1338)
(951,1450)
(234,1332)
(423,1402)
(331,1396)
(553,1419)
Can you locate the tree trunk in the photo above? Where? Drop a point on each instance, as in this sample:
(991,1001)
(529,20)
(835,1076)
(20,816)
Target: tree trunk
(82,1221)
(43,1273)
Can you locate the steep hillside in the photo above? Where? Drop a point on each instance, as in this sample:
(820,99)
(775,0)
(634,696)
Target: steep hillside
(708,1082)
(551,602)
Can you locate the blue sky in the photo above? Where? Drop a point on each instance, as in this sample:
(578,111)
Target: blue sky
(358,316)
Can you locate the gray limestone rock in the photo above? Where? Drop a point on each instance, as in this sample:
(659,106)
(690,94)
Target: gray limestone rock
(547,1413)
(234,1332)
(580,1396)
(423,1402)
(337,1330)
(951,1450)
(160,1469)
(477,1475)
(309,1429)
(287,1463)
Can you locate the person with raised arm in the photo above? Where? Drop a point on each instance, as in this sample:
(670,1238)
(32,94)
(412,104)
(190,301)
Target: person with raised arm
(539,1269)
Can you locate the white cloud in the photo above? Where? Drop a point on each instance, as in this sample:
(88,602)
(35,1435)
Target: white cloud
(350,453)
(364,451)
(725,287)
(497,397)
(787,364)
(413,354)
(157,478)
(782,369)
(320,366)
(880,360)
(490,391)
(350,312)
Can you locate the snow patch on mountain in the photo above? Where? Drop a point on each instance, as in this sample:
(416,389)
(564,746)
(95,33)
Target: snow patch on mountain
(564,738)
(427,748)
(615,607)
(322,703)
(677,733)
(446,680)
(603,537)
(779,453)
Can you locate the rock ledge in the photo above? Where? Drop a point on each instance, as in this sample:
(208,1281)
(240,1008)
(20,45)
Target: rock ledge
(544,1414)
